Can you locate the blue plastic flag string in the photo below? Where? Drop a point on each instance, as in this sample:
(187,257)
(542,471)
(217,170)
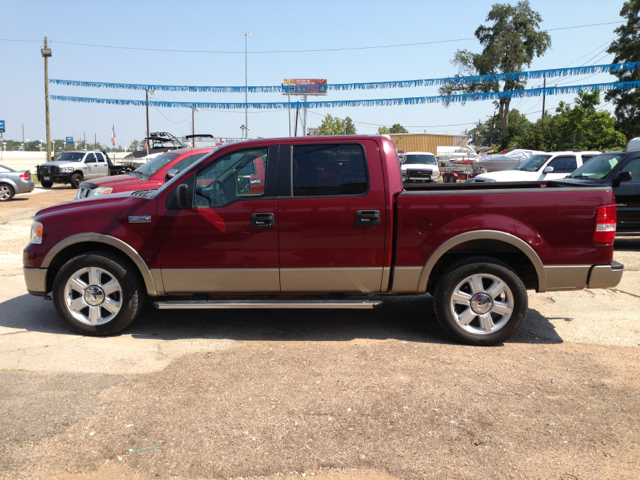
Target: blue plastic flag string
(301,89)
(469,97)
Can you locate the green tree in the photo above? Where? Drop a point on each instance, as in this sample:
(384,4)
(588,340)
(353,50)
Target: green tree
(383,131)
(509,44)
(397,128)
(626,48)
(135,145)
(336,126)
(584,127)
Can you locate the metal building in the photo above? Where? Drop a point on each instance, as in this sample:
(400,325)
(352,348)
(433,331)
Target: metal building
(426,142)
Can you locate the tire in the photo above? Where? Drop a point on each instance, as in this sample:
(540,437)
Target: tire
(97,294)
(76,180)
(47,183)
(6,192)
(484,314)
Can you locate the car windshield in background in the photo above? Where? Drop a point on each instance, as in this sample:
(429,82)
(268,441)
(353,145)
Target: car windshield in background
(4,169)
(154,165)
(598,167)
(70,157)
(534,163)
(420,159)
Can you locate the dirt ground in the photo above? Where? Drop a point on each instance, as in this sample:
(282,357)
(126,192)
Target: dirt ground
(341,396)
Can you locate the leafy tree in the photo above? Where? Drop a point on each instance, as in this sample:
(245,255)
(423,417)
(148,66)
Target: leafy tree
(397,128)
(584,127)
(336,126)
(509,44)
(136,145)
(626,48)
(383,131)
(488,133)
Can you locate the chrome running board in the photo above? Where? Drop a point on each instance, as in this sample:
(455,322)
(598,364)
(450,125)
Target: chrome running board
(217,304)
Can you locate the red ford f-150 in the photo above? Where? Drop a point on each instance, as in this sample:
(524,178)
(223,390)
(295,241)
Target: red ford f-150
(318,223)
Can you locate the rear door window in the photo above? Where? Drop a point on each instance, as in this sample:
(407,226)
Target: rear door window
(563,164)
(329,170)
(100,157)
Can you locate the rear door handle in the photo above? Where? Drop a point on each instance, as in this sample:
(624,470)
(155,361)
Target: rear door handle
(367,217)
(262,220)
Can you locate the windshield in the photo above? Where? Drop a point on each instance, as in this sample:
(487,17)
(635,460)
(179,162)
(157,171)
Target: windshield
(534,163)
(598,167)
(70,157)
(153,166)
(420,159)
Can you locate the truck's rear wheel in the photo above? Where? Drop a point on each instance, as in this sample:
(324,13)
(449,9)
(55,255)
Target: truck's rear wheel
(97,293)
(480,301)
(47,183)
(76,180)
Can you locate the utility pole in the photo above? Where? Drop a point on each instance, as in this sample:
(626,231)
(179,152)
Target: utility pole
(146,91)
(23,133)
(95,140)
(246,88)
(46,53)
(493,121)
(544,85)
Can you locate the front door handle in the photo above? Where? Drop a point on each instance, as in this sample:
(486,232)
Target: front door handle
(367,217)
(262,220)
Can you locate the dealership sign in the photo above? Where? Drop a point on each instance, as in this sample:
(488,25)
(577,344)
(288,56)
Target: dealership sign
(305,86)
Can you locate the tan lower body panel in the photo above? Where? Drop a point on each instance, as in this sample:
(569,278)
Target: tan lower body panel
(263,280)
(567,277)
(327,280)
(406,279)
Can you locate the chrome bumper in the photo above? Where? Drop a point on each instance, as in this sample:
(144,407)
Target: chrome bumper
(36,280)
(605,276)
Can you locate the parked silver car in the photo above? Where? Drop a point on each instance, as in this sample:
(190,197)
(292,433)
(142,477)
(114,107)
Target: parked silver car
(13,182)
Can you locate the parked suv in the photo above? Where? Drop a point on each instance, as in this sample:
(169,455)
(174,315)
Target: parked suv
(150,175)
(621,171)
(420,167)
(540,167)
(73,167)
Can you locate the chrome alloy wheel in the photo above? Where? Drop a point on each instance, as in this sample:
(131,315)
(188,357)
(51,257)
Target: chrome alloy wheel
(93,296)
(5,192)
(482,304)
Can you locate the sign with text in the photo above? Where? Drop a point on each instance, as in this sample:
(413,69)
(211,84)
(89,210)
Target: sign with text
(69,139)
(305,86)
(1,126)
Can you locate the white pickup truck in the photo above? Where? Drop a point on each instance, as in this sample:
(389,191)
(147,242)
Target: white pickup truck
(74,167)
(540,167)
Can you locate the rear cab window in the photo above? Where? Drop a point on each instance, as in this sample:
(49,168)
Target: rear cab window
(329,170)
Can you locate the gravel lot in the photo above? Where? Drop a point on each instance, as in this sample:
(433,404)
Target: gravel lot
(338,396)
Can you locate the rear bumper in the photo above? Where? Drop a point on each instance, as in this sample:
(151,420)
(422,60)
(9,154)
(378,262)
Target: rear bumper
(605,276)
(25,186)
(36,281)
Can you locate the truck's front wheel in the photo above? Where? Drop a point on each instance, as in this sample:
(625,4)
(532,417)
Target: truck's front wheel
(47,183)
(480,301)
(76,180)
(97,293)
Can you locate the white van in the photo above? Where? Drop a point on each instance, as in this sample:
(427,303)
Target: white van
(540,167)
(634,144)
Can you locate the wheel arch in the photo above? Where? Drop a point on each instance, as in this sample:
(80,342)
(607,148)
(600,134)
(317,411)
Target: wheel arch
(84,242)
(494,238)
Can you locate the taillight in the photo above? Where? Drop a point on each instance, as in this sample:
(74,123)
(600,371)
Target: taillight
(26,176)
(605,230)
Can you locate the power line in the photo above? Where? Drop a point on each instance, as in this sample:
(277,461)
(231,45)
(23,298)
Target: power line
(401,45)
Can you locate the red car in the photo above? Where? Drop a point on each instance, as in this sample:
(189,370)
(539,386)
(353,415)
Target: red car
(151,175)
(318,222)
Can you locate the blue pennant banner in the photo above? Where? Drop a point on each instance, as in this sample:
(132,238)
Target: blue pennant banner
(556,72)
(470,97)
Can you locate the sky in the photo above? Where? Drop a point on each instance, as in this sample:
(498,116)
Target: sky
(281,25)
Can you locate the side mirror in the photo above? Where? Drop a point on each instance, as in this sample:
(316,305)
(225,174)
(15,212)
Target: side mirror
(621,177)
(548,170)
(172,172)
(182,196)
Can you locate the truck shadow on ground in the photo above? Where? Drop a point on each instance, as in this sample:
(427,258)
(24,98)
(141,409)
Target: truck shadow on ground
(409,318)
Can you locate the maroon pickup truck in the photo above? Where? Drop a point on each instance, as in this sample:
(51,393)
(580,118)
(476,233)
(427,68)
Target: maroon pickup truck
(320,222)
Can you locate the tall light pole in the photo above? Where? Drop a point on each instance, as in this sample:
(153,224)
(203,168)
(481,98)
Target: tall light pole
(193,123)
(153,92)
(246,88)
(46,53)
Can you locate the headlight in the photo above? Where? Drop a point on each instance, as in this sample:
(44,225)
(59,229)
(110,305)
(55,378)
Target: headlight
(66,169)
(36,233)
(101,191)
